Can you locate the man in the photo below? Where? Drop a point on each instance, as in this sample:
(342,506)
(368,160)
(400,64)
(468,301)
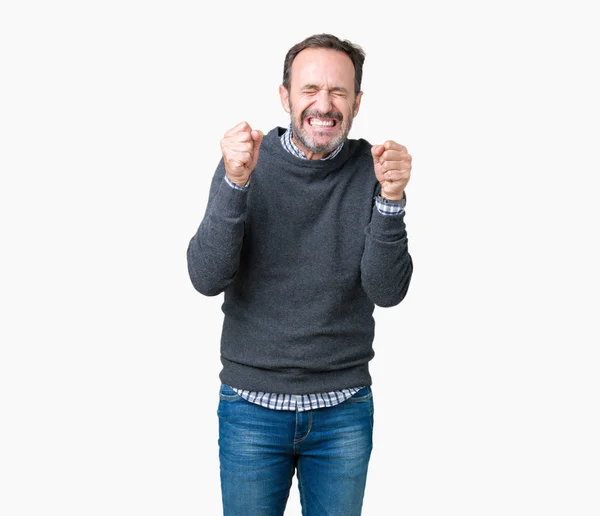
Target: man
(304,232)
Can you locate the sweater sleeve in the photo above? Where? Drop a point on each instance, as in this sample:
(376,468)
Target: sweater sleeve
(213,253)
(386,265)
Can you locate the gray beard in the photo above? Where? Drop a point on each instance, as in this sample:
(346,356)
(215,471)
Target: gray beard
(311,146)
(305,139)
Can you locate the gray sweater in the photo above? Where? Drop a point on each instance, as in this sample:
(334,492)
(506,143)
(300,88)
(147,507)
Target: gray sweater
(302,255)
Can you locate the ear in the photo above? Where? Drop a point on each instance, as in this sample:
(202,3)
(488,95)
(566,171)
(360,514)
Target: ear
(284,95)
(357,103)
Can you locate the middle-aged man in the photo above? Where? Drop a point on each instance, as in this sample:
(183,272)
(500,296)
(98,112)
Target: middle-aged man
(304,232)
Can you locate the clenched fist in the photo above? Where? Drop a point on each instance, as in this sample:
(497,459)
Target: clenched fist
(240,146)
(392,164)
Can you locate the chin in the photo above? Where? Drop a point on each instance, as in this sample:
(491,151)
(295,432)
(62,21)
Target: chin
(318,145)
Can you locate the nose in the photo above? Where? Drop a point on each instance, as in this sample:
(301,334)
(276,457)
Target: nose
(323,101)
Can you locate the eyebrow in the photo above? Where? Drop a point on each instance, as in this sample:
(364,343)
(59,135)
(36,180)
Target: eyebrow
(315,87)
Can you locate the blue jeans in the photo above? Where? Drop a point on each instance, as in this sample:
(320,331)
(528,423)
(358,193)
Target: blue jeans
(260,448)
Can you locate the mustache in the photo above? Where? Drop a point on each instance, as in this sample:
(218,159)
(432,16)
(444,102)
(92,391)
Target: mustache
(336,115)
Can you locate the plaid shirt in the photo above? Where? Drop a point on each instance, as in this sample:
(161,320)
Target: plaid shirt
(303,402)
(299,402)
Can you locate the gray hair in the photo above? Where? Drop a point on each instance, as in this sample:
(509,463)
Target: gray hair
(328,41)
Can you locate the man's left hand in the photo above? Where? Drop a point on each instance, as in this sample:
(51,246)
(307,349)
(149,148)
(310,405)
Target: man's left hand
(392,164)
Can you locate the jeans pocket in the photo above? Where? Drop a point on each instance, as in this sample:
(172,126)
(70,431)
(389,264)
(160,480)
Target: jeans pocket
(226,393)
(365,394)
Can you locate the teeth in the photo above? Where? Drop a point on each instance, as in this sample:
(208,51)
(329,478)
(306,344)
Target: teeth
(322,123)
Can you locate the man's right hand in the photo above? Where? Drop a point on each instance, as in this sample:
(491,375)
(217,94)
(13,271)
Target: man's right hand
(240,146)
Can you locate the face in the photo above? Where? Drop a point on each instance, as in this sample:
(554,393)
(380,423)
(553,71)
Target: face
(321,100)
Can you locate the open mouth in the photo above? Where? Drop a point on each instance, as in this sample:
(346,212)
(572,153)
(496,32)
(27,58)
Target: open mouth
(321,123)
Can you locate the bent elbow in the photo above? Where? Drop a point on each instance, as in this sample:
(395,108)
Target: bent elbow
(204,284)
(389,301)
(202,277)
(390,292)
(205,289)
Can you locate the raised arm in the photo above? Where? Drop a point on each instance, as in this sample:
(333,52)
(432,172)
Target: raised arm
(213,253)
(386,266)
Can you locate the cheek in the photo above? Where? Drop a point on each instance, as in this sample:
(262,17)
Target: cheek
(345,108)
(299,108)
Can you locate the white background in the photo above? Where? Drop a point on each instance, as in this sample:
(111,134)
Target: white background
(487,396)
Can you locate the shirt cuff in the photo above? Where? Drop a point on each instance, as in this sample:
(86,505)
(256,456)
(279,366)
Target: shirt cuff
(388,208)
(237,187)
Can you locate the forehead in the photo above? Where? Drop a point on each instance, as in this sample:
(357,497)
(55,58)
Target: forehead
(323,66)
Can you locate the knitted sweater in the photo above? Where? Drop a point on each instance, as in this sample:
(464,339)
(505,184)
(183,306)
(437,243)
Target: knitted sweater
(302,255)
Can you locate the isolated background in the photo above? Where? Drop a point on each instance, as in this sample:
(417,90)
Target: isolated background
(110,117)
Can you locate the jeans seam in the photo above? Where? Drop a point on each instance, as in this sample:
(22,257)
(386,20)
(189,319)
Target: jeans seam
(227,397)
(234,396)
(301,490)
(309,428)
(361,399)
